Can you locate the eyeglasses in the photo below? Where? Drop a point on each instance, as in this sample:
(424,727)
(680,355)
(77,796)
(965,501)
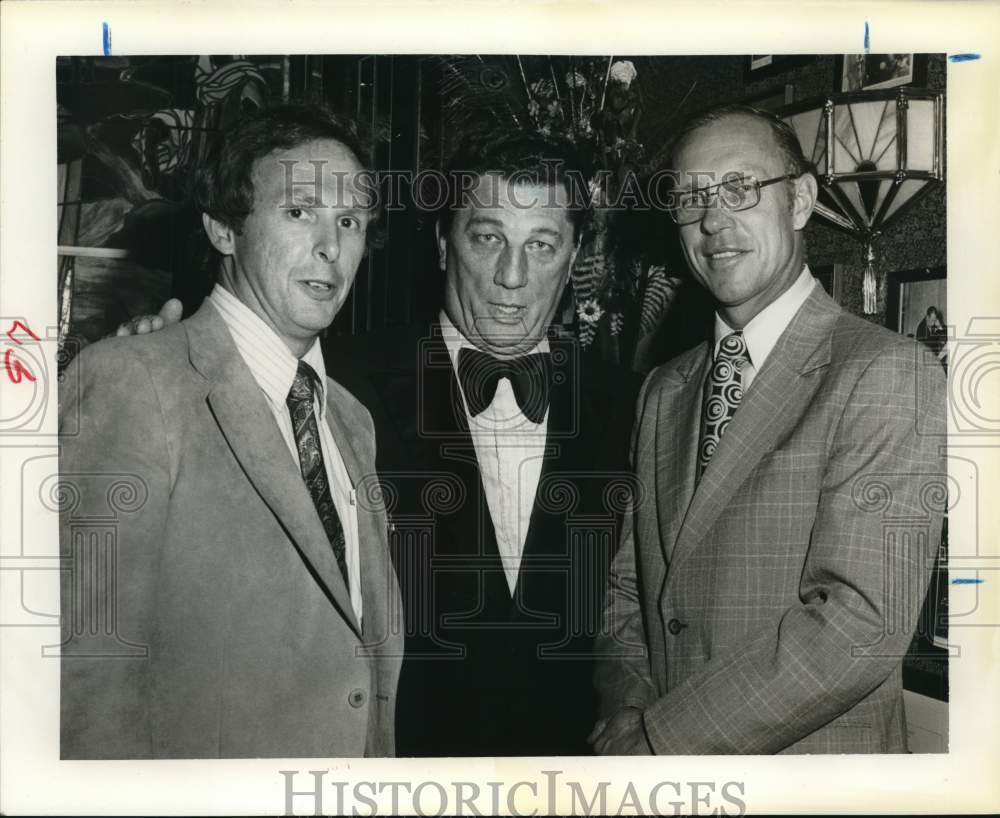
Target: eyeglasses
(738,192)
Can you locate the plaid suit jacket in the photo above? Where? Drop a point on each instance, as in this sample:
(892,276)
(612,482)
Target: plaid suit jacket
(767,606)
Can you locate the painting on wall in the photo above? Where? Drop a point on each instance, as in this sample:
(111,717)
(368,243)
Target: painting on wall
(130,131)
(866,72)
(917,306)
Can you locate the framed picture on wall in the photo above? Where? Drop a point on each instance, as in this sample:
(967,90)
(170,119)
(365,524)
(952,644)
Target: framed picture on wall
(866,72)
(759,66)
(916,302)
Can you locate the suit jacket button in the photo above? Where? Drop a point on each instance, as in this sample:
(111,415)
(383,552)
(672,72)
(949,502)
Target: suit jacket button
(675,626)
(356,698)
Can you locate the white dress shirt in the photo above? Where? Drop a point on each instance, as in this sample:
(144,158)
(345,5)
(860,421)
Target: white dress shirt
(273,367)
(764,329)
(509,450)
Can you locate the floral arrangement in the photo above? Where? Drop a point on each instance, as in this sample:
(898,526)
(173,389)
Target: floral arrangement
(598,107)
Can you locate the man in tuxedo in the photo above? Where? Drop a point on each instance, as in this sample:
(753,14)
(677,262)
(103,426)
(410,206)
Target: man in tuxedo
(249,588)
(769,585)
(502,450)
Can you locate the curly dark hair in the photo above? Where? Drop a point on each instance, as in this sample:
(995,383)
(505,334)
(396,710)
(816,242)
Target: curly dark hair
(224,185)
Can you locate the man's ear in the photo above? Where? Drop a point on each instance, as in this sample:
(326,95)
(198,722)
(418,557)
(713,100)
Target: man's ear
(442,242)
(806,191)
(219,234)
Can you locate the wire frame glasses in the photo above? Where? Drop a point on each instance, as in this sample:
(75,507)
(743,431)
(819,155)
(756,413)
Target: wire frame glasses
(736,192)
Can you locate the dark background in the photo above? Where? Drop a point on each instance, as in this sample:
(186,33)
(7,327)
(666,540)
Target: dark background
(128,203)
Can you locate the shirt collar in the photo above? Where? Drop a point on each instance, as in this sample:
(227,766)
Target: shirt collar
(271,362)
(766,327)
(454,340)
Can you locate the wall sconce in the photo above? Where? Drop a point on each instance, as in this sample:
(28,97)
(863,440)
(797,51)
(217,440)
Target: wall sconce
(875,153)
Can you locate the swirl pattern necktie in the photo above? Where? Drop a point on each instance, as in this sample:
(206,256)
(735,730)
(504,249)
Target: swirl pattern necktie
(725,391)
(300,406)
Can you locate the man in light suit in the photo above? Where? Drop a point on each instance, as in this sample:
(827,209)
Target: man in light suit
(766,591)
(249,585)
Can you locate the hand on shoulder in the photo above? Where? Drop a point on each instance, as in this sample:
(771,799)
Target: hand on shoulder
(170,313)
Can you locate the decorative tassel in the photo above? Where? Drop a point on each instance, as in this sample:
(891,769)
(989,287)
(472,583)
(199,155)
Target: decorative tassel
(66,301)
(868,288)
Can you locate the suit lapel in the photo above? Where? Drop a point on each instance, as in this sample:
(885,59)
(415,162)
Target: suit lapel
(372,553)
(342,434)
(248,425)
(573,437)
(562,453)
(677,430)
(575,416)
(773,403)
(422,396)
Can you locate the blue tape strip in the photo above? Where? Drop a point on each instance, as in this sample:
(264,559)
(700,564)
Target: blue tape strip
(963,57)
(106,38)
(867,40)
(967,581)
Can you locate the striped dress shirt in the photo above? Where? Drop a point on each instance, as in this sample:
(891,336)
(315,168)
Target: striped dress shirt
(273,367)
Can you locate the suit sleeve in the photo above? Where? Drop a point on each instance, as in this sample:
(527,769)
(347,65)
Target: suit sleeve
(114,486)
(622,673)
(862,586)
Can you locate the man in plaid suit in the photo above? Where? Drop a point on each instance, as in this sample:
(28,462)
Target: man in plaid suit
(774,565)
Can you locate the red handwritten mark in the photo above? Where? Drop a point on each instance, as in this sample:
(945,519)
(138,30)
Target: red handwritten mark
(14,328)
(19,371)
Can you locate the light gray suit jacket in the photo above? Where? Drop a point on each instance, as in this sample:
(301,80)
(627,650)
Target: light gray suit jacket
(767,607)
(213,621)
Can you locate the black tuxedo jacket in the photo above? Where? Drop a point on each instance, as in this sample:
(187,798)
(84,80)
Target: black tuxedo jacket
(485,672)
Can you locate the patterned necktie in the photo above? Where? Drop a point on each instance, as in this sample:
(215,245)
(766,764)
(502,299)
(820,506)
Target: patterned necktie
(529,376)
(300,406)
(725,391)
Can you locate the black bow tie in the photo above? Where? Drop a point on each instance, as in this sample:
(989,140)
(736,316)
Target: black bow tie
(529,375)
